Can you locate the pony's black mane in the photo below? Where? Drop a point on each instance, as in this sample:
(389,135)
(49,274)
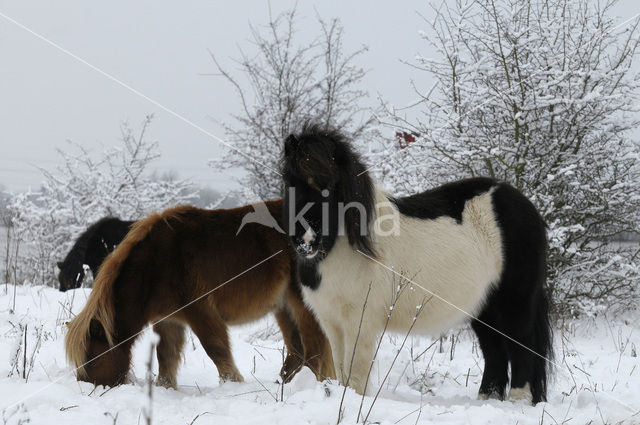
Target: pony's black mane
(323,157)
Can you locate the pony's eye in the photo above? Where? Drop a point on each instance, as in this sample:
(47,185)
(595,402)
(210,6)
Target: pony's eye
(313,184)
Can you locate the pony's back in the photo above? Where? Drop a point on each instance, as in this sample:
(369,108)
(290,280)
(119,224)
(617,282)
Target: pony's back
(91,248)
(106,236)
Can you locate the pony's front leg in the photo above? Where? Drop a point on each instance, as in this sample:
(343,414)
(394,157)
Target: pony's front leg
(211,330)
(358,354)
(169,351)
(317,351)
(295,351)
(334,333)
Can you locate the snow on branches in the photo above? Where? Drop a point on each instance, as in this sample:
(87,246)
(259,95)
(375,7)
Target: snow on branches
(84,189)
(284,84)
(541,94)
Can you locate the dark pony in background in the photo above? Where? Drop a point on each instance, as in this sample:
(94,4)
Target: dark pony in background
(469,251)
(91,248)
(195,267)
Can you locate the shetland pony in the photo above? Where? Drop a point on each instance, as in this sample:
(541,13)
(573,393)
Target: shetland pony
(477,247)
(91,248)
(166,263)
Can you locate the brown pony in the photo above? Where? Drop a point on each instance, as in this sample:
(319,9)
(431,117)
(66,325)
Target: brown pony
(169,260)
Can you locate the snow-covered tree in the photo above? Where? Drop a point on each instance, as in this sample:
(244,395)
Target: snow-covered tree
(5,197)
(542,94)
(284,84)
(84,189)
(6,226)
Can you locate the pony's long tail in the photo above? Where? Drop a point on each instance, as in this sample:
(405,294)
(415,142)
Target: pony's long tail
(543,345)
(100,306)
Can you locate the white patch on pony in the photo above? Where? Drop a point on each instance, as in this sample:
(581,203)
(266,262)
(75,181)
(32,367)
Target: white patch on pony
(455,262)
(308,236)
(524,394)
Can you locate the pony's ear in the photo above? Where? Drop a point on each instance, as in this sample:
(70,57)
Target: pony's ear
(60,263)
(290,144)
(355,186)
(96,331)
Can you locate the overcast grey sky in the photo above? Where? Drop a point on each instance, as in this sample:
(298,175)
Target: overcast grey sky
(160,49)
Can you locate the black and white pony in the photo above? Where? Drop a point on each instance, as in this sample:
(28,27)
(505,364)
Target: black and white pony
(91,248)
(473,250)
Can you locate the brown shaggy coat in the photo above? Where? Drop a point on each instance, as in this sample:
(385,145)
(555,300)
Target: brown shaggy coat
(166,262)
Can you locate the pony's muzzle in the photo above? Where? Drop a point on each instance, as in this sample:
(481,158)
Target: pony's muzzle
(309,236)
(306,250)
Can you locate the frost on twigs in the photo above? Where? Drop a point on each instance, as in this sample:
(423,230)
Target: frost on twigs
(86,187)
(17,415)
(28,340)
(543,95)
(283,84)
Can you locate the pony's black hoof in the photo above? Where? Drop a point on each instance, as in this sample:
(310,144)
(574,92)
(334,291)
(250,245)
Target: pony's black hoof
(290,368)
(288,374)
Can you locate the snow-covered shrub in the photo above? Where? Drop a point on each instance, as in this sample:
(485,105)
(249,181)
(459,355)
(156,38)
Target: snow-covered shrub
(284,84)
(540,94)
(84,189)
(6,227)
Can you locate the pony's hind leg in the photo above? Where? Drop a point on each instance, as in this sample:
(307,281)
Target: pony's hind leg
(169,351)
(521,366)
(496,361)
(530,355)
(520,328)
(211,330)
(295,352)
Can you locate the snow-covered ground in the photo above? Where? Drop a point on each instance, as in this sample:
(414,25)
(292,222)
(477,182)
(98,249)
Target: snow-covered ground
(597,381)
